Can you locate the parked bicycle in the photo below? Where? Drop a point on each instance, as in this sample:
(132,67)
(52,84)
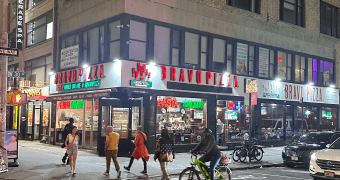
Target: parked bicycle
(248,149)
(222,171)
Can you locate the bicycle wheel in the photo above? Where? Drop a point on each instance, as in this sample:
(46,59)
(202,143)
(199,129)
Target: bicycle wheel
(224,174)
(258,154)
(236,154)
(243,155)
(189,174)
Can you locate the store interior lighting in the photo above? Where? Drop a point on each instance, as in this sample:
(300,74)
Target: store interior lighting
(152,63)
(226,73)
(332,86)
(85,65)
(311,83)
(278,79)
(116,60)
(51,73)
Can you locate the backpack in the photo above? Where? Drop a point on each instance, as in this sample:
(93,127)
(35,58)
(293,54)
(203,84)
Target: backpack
(145,142)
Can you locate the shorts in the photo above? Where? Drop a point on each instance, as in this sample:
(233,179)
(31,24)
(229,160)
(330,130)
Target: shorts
(73,150)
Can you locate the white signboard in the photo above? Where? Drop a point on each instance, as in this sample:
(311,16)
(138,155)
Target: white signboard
(69,57)
(294,92)
(241,59)
(263,62)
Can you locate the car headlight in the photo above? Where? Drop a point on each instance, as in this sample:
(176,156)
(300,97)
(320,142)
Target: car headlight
(313,157)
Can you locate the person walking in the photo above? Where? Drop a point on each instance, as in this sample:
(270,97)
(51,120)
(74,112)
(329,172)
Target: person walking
(111,146)
(140,151)
(164,152)
(67,130)
(72,148)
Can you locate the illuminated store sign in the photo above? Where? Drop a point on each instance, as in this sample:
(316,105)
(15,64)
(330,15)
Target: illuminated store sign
(193,104)
(167,103)
(141,75)
(79,75)
(20,19)
(79,85)
(71,104)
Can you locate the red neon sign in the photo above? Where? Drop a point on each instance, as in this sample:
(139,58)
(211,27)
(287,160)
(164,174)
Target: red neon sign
(231,105)
(95,107)
(280,59)
(65,105)
(167,103)
(74,75)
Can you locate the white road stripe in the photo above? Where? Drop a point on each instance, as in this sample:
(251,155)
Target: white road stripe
(288,177)
(302,172)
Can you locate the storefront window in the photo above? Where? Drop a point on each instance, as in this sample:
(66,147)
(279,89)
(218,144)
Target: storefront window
(46,117)
(120,121)
(329,119)
(310,120)
(68,109)
(231,121)
(29,117)
(185,118)
(272,121)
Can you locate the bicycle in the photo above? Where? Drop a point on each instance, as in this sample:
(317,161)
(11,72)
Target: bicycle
(222,171)
(248,149)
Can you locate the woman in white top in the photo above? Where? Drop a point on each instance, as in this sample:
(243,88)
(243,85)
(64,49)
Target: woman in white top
(72,148)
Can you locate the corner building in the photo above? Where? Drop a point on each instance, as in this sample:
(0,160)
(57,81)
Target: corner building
(261,67)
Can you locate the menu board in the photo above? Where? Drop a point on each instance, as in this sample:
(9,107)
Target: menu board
(241,58)
(46,117)
(263,62)
(30,117)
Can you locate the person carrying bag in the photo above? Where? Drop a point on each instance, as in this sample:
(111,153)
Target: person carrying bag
(164,152)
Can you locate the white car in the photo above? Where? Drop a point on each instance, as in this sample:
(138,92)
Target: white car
(325,164)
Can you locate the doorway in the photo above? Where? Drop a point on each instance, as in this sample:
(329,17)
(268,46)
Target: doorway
(124,117)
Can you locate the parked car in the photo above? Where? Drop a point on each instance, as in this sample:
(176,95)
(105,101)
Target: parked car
(325,164)
(299,152)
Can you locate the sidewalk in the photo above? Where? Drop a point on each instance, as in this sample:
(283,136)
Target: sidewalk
(42,161)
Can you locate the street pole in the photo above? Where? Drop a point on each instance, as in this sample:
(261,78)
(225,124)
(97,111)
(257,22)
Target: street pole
(3,80)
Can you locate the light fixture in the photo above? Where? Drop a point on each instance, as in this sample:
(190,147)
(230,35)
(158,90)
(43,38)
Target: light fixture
(116,60)
(332,86)
(85,65)
(311,83)
(152,63)
(278,79)
(226,73)
(51,72)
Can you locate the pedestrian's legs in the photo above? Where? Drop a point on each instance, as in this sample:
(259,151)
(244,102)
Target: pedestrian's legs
(74,161)
(163,168)
(131,161)
(71,160)
(213,163)
(217,139)
(115,161)
(108,160)
(144,162)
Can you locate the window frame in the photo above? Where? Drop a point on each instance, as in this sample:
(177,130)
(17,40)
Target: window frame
(44,24)
(227,41)
(47,77)
(255,3)
(296,7)
(255,61)
(33,6)
(199,63)
(325,22)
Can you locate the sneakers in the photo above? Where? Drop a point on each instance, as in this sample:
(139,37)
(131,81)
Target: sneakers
(144,172)
(106,173)
(127,168)
(74,172)
(119,173)
(71,171)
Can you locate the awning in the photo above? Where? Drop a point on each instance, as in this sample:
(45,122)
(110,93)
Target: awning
(79,95)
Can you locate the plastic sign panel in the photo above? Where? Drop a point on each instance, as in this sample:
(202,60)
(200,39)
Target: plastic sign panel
(167,103)
(16,98)
(11,144)
(79,85)
(16,74)
(193,104)
(71,104)
(9,51)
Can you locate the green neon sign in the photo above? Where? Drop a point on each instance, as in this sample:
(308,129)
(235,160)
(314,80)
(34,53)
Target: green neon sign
(193,104)
(91,84)
(329,115)
(77,104)
(81,85)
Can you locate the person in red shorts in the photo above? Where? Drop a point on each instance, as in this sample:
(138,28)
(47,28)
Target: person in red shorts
(140,151)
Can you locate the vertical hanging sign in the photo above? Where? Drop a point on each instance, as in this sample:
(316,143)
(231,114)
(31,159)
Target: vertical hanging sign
(20,19)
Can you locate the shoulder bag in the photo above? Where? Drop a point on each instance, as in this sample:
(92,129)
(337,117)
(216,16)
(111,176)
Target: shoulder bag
(145,141)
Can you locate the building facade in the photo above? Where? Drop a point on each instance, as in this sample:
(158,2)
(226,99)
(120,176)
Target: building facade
(31,22)
(263,67)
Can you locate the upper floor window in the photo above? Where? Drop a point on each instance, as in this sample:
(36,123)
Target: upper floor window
(245,59)
(222,61)
(312,70)
(266,63)
(291,11)
(300,67)
(329,19)
(37,70)
(70,41)
(284,66)
(137,44)
(93,45)
(249,5)
(114,40)
(166,45)
(326,72)
(195,51)
(40,29)
(33,3)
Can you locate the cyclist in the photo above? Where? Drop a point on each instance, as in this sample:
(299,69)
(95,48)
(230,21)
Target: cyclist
(211,152)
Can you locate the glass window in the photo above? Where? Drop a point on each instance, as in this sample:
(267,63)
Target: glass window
(310,119)
(68,109)
(249,5)
(39,30)
(191,48)
(137,46)
(114,40)
(93,37)
(315,70)
(291,11)
(175,47)
(231,120)
(272,119)
(289,67)
(251,60)
(282,65)
(185,118)
(264,62)
(204,44)
(329,119)
(327,73)
(219,55)
(329,19)
(162,45)
(271,68)
(39,68)
(242,59)
(33,3)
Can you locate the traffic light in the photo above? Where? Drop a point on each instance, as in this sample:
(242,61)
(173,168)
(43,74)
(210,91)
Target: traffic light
(16,98)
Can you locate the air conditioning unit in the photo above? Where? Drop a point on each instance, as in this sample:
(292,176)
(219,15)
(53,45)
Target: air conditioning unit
(25,84)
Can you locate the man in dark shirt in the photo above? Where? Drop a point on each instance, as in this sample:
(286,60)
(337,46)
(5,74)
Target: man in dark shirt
(68,128)
(212,153)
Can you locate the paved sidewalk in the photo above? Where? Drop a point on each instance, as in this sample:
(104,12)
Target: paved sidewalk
(42,161)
